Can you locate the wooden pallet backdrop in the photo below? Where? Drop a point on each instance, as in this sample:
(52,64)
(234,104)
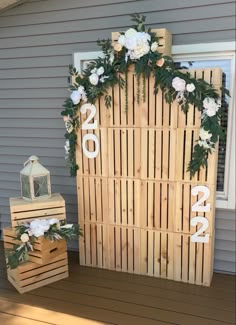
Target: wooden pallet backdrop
(135,198)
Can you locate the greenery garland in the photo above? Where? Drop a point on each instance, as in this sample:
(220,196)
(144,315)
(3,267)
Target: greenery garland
(140,48)
(26,235)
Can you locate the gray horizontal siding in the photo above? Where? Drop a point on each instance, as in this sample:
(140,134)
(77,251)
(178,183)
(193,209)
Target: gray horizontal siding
(37,40)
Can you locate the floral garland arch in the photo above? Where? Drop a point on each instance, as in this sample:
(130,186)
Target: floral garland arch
(139,47)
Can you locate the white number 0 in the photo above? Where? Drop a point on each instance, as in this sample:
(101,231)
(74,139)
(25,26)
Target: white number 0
(198,207)
(89,126)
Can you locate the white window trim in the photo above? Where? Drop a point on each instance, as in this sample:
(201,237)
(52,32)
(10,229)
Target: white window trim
(202,51)
(220,50)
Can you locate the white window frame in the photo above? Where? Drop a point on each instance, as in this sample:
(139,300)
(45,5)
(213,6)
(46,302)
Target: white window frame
(197,52)
(211,51)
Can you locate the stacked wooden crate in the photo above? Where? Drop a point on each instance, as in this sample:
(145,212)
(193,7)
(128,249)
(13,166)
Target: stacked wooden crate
(48,262)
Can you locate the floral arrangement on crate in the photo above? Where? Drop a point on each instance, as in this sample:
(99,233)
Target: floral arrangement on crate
(139,47)
(52,229)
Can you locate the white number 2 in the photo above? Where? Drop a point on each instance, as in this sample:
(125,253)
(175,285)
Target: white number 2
(89,126)
(198,207)
(196,238)
(86,125)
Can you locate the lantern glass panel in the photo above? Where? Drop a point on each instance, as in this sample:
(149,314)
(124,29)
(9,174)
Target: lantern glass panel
(40,186)
(25,186)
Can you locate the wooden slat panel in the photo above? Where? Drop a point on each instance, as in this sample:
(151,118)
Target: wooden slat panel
(138,190)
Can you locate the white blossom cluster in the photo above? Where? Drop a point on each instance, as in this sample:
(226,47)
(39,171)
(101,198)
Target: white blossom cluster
(205,139)
(97,74)
(211,106)
(38,228)
(181,87)
(137,44)
(78,95)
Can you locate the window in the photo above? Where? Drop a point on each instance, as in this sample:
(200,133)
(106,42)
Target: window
(217,55)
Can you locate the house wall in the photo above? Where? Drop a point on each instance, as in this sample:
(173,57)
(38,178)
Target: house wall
(37,39)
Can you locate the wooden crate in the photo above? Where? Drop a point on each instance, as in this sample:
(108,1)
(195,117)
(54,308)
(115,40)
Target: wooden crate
(44,249)
(165,40)
(29,276)
(24,211)
(138,184)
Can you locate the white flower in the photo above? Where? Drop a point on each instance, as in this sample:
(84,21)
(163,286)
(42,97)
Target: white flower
(100,71)
(81,89)
(67,146)
(93,78)
(204,135)
(121,40)
(130,33)
(178,84)
(67,226)
(140,51)
(94,70)
(190,87)
(75,97)
(154,46)
(204,144)
(69,125)
(24,238)
(131,43)
(180,96)
(211,107)
(53,221)
(37,232)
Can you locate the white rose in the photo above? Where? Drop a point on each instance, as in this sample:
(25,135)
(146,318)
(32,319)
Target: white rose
(37,232)
(211,107)
(121,40)
(130,33)
(93,78)
(131,43)
(24,238)
(81,89)
(145,37)
(94,70)
(154,46)
(44,224)
(140,51)
(204,135)
(190,87)
(178,84)
(75,97)
(100,71)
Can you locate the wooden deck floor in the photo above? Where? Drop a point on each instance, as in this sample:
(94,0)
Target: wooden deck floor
(96,297)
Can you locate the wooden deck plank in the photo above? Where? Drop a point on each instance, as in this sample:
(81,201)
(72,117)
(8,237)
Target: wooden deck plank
(93,296)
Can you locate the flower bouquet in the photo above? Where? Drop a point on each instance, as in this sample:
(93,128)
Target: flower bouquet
(28,233)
